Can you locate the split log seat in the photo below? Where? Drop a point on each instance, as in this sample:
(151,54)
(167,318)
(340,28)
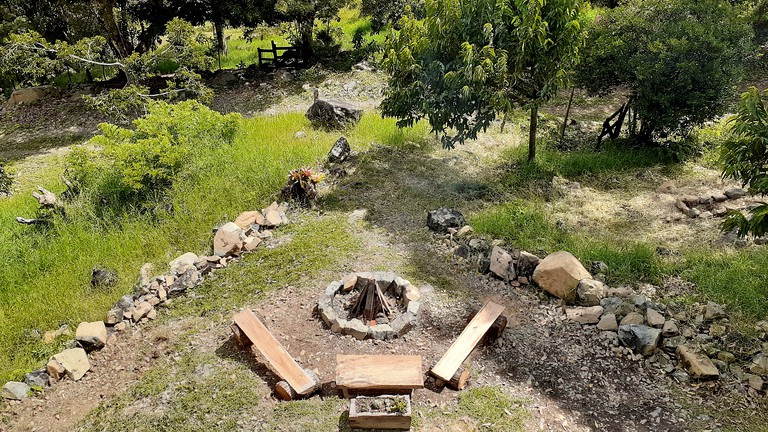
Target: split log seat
(378,374)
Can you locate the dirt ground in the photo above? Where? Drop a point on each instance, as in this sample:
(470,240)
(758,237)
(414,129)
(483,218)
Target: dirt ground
(570,378)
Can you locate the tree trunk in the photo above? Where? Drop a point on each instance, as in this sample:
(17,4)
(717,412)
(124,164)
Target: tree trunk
(532,133)
(567,112)
(307,38)
(105,13)
(503,122)
(221,41)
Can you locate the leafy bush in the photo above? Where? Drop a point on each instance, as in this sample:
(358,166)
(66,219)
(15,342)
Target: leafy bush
(137,165)
(302,186)
(745,158)
(679,60)
(383,12)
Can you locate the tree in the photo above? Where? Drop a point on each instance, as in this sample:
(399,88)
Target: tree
(679,59)
(744,156)
(303,14)
(383,12)
(467,61)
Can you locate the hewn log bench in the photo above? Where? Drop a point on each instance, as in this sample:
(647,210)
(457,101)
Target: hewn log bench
(448,368)
(378,374)
(250,331)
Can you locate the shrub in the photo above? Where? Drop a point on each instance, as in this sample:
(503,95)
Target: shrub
(745,158)
(138,165)
(302,186)
(679,60)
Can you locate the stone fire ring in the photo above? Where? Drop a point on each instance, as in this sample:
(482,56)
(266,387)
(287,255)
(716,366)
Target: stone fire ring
(407,294)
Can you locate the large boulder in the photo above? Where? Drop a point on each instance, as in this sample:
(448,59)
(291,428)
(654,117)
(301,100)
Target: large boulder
(642,339)
(559,274)
(340,151)
(15,390)
(441,219)
(333,114)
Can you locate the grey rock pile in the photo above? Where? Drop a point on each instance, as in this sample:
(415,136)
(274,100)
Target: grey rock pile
(333,114)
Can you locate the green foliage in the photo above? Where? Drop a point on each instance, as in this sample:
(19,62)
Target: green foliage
(24,61)
(744,156)
(389,12)
(466,61)
(679,59)
(137,165)
(493,408)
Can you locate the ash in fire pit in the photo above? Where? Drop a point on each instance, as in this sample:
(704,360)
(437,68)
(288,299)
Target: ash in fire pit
(377,305)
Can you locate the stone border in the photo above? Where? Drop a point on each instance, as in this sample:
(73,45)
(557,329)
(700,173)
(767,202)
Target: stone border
(408,295)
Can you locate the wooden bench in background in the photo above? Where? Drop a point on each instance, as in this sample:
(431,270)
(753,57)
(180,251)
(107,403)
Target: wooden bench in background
(298,382)
(448,368)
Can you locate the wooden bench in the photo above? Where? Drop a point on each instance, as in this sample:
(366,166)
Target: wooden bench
(391,374)
(249,330)
(448,368)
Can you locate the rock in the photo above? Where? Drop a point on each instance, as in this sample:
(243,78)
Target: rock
(696,363)
(726,357)
(183,263)
(356,329)
(598,267)
(667,187)
(465,231)
(382,332)
(152,314)
(413,308)
(759,364)
(682,206)
(632,318)
(761,326)
(706,215)
(15,390)
(38,378)
(694,213)
(585,315)
(706,199)
(410,294)
(669,329)
(272,218)
(74,361)
(441,219)
(251,243)
(502,264)
(141,310)
(245,219)
(125,303)
(29,94)
(227,240)
(55,370)
(102,277)
(300,135)
(608,323)
(340,151)
(735,193)
(641,339)
(333,114)
(114,316)
(91,335)
(188,280)
(527,263)
(654,318)
(713,311)
(719,197)
(590,292)
(348,282)
(619,292)
(717,330)
(224,79)
(559,274)
(145,274)
(121,326)
(755,381)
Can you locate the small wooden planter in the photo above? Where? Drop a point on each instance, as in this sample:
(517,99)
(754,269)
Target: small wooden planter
(375,419)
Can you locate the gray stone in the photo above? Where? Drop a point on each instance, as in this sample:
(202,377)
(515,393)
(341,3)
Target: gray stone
(632,318)
(382,332)
(669,329)
(654,318)
(403,324)
(726,357)
(641,339)
(333,114)
(91,335)
(74,361)
(227,240)
(759,364)
(527,264)
(356,329)
(413,308)
(141,310)
(713,311)
(608,323)
(328,315)
(114,316)
(300,135)
(755,381)
(340,151)
(102,277)
(441,219)
(502,264)
(696,363)
(598,267)
(183,263)
(333,288)
(717,330)
(339,325)
(188,280)
(15,390)
(585,315)
(38,378)
(735,193)
(590,292)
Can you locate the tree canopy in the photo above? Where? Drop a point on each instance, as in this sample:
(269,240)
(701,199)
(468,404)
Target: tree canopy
(679,60)
(467,61)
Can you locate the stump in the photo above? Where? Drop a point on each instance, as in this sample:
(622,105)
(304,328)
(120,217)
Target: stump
(241,339)
(458,381)
(285,392)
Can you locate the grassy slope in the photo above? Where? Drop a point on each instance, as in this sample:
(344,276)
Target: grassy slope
(45,278)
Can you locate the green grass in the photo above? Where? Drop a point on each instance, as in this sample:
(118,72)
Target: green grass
(46,277)
(493,408)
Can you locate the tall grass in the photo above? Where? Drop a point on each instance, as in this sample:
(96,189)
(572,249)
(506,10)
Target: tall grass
(45,278)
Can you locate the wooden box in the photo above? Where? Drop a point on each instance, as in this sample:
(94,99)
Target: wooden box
(363,416)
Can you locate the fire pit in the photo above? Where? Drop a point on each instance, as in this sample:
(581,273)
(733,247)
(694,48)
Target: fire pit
(378,305)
